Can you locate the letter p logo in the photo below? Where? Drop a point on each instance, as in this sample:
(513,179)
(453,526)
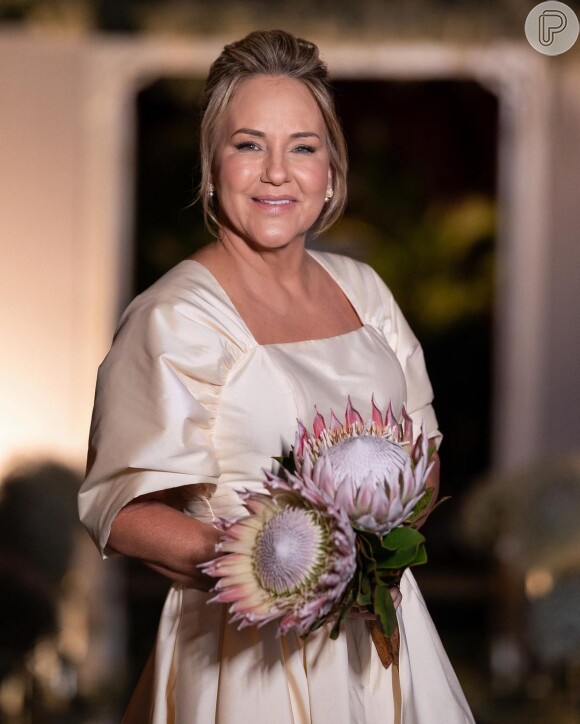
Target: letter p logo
(552,27)
(551,22)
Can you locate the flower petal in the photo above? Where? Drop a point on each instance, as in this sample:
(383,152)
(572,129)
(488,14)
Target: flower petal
(300,440)
(335,423)
(230,563)
(396,511)
(319,424)
(324,479)
(352,416)
(376,415)
(364,497)
(407,483)
(380,504)
(345,496)
(390,419)
(407,426)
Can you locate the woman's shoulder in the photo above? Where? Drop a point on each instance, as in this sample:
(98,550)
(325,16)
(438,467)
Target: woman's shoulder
(185,307)
(365,288)
(188,283)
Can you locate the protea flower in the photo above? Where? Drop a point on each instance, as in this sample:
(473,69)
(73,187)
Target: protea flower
(294,557)
(371,471)
(287,560)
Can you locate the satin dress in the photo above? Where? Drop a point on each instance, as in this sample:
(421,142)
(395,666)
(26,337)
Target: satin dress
(186,396)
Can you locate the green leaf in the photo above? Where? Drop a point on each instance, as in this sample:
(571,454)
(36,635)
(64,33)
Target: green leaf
(401,558)
(402,537)
(364,595)
(421,505)
(440,502)
(384,609)
(364,600)
(287,461)
(335,631)
(316,625)
(390,577)
(365,544)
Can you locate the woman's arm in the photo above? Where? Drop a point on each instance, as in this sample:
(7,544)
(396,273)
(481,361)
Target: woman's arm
(165,539)
(173,544)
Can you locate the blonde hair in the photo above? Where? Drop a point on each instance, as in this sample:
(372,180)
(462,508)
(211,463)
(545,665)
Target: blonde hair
(277,53)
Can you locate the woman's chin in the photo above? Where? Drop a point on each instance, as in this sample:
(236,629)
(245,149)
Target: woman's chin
(269,239)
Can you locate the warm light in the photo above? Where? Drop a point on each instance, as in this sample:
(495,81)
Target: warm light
(12,693)
(539,582)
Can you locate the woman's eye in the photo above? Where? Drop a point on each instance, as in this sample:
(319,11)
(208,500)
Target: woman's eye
(304,149)
(247,146)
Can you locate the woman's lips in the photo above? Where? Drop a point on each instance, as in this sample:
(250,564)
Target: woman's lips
(274,204)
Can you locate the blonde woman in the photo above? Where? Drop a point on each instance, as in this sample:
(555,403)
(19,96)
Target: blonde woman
(209,370)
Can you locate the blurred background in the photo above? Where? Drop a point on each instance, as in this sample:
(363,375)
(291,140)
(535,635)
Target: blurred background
(464,174)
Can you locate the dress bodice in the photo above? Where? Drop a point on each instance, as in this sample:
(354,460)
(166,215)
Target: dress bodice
(187,397)
(273,385)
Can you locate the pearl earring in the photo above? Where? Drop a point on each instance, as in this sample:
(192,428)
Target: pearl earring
(211,190)
(329,194)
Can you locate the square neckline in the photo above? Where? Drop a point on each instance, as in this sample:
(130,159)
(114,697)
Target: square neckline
(315,256)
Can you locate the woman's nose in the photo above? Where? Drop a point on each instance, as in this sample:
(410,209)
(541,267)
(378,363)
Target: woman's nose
(275,170)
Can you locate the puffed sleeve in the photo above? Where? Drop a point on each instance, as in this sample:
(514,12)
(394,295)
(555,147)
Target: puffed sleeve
(410,355)
(155,405)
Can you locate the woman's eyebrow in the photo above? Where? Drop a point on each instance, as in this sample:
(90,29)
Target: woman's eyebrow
(249,132)
(304,134)
(261,134)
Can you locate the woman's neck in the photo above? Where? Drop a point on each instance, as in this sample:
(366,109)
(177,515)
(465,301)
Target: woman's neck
(285,267)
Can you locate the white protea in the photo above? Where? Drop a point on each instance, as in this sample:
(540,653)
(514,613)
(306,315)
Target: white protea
(371,471)
(294,555)
(286,560)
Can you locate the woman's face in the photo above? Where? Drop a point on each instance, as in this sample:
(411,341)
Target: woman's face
(272,164)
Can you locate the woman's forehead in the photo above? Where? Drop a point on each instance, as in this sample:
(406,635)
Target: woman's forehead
(276,101)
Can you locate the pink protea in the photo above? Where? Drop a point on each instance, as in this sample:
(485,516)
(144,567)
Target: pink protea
(371,471)
(286,560)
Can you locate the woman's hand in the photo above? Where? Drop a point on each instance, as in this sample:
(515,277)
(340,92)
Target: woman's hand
(165,539)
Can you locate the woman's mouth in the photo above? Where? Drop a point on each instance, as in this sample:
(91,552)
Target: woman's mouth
(274,203)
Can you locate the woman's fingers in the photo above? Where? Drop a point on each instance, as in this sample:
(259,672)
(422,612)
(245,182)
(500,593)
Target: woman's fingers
(396,596)
(358,612)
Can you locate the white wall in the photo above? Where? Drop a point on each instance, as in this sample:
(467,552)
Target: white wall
(41,174)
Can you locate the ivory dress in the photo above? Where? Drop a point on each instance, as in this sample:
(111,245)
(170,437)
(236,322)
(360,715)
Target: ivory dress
(187,396)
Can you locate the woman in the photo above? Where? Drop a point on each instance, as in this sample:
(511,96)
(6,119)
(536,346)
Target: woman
(208,372)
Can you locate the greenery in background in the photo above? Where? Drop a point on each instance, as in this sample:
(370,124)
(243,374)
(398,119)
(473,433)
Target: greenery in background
(440,266)
(421,195)
(450,250)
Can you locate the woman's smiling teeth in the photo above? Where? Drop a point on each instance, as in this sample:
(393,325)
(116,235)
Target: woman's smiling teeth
(271,203)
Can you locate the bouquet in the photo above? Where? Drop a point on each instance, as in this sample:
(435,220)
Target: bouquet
(334,530)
